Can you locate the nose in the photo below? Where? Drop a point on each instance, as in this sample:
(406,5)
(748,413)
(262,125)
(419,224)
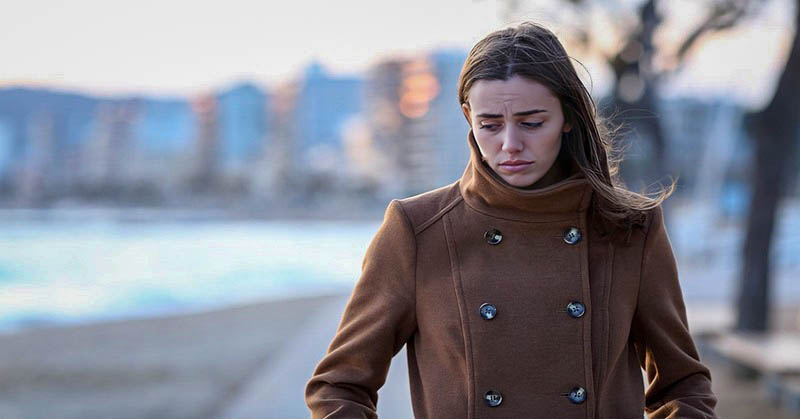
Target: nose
(512,143)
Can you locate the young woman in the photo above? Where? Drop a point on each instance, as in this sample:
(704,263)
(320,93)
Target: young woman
(535,286)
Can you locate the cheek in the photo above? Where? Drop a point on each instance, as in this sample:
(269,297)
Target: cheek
(489,144)
(547,143)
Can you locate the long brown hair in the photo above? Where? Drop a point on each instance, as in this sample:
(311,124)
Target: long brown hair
(532,51)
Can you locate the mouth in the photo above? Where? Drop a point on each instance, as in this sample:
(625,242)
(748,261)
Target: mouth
(513,166)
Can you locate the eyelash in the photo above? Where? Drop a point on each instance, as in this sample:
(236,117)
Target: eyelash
(531,125)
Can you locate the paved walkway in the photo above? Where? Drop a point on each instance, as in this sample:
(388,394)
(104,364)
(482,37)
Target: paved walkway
(278,389)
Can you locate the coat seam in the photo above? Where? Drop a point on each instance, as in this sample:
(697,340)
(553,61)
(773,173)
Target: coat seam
(606,302)
(641,267)
(416,262)
(468,355)
(422,227)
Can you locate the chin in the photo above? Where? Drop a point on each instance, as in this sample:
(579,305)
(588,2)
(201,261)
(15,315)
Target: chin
(521,181)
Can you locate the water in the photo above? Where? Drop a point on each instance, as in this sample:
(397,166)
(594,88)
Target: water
(68,272)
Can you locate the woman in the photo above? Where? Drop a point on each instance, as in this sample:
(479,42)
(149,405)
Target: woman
(535,285)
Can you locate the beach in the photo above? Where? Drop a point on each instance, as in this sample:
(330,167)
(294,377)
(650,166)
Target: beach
(239,362)
(185,366)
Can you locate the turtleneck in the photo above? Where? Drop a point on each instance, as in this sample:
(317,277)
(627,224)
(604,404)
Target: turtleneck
(485,191)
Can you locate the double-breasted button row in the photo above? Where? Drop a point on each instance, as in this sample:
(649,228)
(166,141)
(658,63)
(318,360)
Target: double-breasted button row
(494,236)
(575,309)
(577,396)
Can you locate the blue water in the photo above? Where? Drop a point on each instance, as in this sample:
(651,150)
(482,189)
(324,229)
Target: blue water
(72,272)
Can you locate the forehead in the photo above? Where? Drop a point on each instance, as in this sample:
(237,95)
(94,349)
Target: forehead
(515,94)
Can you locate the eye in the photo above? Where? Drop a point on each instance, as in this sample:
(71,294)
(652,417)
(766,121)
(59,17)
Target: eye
(532,124)
(490,127)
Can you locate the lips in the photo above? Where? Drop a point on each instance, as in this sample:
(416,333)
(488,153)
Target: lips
(515,162)
(513,166)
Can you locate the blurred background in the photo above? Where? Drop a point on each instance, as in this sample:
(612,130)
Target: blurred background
(187,189)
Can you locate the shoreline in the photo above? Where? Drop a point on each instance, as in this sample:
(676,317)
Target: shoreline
(167,214)
(54,322)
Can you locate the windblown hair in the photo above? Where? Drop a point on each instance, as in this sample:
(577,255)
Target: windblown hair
(532,51)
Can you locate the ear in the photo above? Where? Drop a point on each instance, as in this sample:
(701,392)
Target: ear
(567,127)
(465,110)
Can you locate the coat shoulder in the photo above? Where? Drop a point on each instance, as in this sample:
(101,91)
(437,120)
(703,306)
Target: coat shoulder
(426,208)
(654,218)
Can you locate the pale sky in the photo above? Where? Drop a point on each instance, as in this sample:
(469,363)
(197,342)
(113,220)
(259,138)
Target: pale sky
(182,47)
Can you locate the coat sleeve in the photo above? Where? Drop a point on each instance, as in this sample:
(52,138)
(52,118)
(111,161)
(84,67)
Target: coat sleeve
(679,384)
(378,320)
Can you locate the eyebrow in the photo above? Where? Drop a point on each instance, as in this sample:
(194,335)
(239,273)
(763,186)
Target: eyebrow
(523,113)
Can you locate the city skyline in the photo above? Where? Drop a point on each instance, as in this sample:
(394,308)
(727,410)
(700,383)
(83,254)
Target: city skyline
(246,140)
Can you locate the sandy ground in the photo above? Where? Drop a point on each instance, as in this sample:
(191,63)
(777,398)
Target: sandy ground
(238,363)
(188,366)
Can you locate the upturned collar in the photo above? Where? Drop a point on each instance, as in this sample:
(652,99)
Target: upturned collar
(487,192)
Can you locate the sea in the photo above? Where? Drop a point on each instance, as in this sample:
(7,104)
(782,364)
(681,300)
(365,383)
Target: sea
(66,271)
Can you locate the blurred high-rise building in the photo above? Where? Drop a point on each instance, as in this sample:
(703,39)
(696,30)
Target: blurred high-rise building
(242,125)
(203,170)
(164,132)
(415,118)
(61,122)
(418,88)
(37,175)
(323,105)
(388,129)
(437,126)
(106,169)
(450,128)
(5,157)
(273,180)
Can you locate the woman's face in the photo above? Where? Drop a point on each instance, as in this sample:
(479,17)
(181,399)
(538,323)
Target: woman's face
(517,124)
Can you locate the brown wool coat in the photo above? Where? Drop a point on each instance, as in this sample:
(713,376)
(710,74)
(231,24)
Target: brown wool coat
(430,268)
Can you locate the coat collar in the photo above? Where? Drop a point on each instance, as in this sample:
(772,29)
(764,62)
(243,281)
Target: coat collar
(487,192)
